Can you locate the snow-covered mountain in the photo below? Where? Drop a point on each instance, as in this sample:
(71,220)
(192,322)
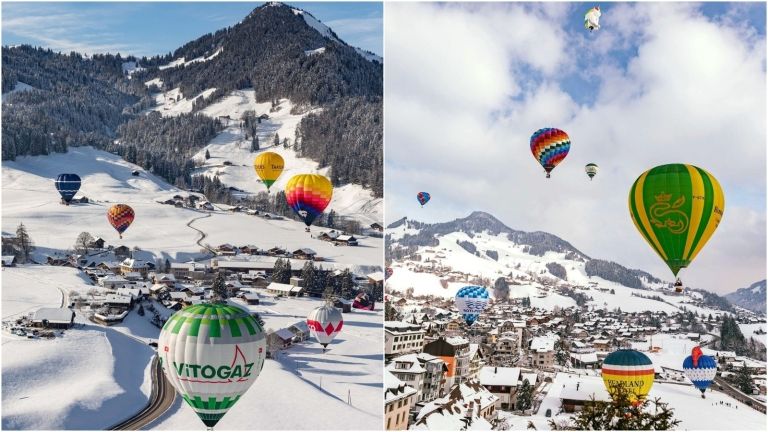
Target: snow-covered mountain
(437,259)
(751,297)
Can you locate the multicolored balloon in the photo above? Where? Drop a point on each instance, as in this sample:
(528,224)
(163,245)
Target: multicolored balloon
(630,370)
(550,146)
(212,354)
(592,19)
(308,195)
(388,272)
(471,301)
(591,170)
(325,323)
(423,198)
(68,185)
(676,208)
(700,369)
(268,166)
(120,216)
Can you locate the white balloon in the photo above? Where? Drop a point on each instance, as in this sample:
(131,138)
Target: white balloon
(325,323)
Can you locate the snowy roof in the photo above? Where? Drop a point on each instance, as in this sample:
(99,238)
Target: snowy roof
(585,358)
(457,340)
(530,376)
(408,363)
(581,388)
(284,334)
(133,263)
(499,376)
(283,287)
(450,412)
(116,298)
(301,326)
(54,315)
(376,276)
(395,389)
(542,344)
(8,260)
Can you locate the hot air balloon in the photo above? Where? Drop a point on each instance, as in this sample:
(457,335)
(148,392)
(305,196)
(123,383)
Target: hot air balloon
(423,198)
(308,195)
(676,208)
(388,272)
(700,369)
(120,216)
(591,170)
(67,185)
(628,369)
(268,166)
(471,300)
(592,19)
(550,146)
(212,354)
(325,323)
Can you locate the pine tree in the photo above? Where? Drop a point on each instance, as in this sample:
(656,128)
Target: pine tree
(309,275)
(276,140)
(744,380)
(390,313)
(331,219)
(219,287)
(620,413)
(207,154)
(524,396)
(167,266)
(347,285)
(255,144)
(26,245)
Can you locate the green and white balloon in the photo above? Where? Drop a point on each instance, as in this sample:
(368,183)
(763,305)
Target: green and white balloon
(212,354)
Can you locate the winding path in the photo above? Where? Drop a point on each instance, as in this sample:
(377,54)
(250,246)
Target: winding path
(160,400)
(203,235)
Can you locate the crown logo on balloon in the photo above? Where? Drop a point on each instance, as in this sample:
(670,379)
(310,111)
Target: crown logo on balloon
(663,197)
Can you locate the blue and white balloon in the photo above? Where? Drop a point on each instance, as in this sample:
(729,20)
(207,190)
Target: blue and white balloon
(700,369)
(471,302)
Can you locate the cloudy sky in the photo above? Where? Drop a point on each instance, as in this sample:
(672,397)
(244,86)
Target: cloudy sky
(144,28)
(467,84)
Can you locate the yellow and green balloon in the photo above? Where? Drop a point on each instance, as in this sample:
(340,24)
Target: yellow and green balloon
(676,208)
(268,166)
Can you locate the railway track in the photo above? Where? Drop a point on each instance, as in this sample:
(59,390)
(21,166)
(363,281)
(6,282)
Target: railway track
(160,400)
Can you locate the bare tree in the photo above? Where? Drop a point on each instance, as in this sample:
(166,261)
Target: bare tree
(83,242)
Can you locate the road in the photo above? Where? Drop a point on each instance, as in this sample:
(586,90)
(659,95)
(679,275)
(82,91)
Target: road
(160,400)
(728,389)
(202,234)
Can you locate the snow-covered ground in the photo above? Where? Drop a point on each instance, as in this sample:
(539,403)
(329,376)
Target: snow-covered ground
(321,384)
(90,378)
(20,87)
(694,412)
(749,331)
(29,196)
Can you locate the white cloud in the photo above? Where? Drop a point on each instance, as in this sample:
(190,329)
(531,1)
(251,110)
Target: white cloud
(461,105)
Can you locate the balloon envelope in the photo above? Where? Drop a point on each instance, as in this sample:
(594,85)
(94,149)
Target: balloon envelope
(268,166)
(591,170)
(676,208)
(628,369)
(308,195)
(550,146)
(423,197)
(325,323)
(471,300)
(120,216)
(700,369)
(68,185)
(212,354)
(592,18)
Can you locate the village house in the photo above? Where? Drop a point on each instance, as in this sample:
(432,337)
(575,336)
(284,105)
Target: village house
(300,331)
(454,351)
(402,338)
(542,351)
(398,400)
(304,253)
(130,265)
(464,402)
(57,318)
(188,270)
(279,339)
(284,290)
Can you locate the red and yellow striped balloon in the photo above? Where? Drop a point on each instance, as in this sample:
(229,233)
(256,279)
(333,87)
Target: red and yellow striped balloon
(308,195)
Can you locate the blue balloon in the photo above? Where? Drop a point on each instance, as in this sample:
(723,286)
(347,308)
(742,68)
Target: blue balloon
(700,369)
(68,185)
(423,198)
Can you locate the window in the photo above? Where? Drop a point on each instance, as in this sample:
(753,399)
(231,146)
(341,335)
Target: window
(389,420)
(397,419)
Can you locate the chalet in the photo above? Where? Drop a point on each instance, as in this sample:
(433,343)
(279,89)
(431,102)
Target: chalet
(344,305)
(328,236)
(191,200)
(130,265)
(585,360)
(188,270)
(166,279)
(226,249)
(377,227)
(60,318)
(296,281)
(300,331)
(9,260)
(280,339)
(122,252)
(251,298)
(304,253)
(502,382)
(97,244)
(169,202)
(348,240)
(249,250)
(57,260)
(205,205)
(376,285)
(280,289)
(276,251)
(178,204)
(118,301)
(113,282)
(257,279)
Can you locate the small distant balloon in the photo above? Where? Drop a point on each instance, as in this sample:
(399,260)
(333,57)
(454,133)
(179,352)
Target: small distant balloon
(592,19)
(470,301)
(268,166)
(591,170)
(423,198)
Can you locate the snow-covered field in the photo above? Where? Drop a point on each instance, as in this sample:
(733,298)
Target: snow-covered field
(749,331)
(29,196)
(91,378)
(305,388)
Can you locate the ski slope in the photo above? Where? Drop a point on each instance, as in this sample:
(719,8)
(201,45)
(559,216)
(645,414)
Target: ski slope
(305,381)
(90,378)
(29,196)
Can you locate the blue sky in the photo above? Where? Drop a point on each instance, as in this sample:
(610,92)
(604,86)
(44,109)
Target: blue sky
(157,28)
(660,82)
